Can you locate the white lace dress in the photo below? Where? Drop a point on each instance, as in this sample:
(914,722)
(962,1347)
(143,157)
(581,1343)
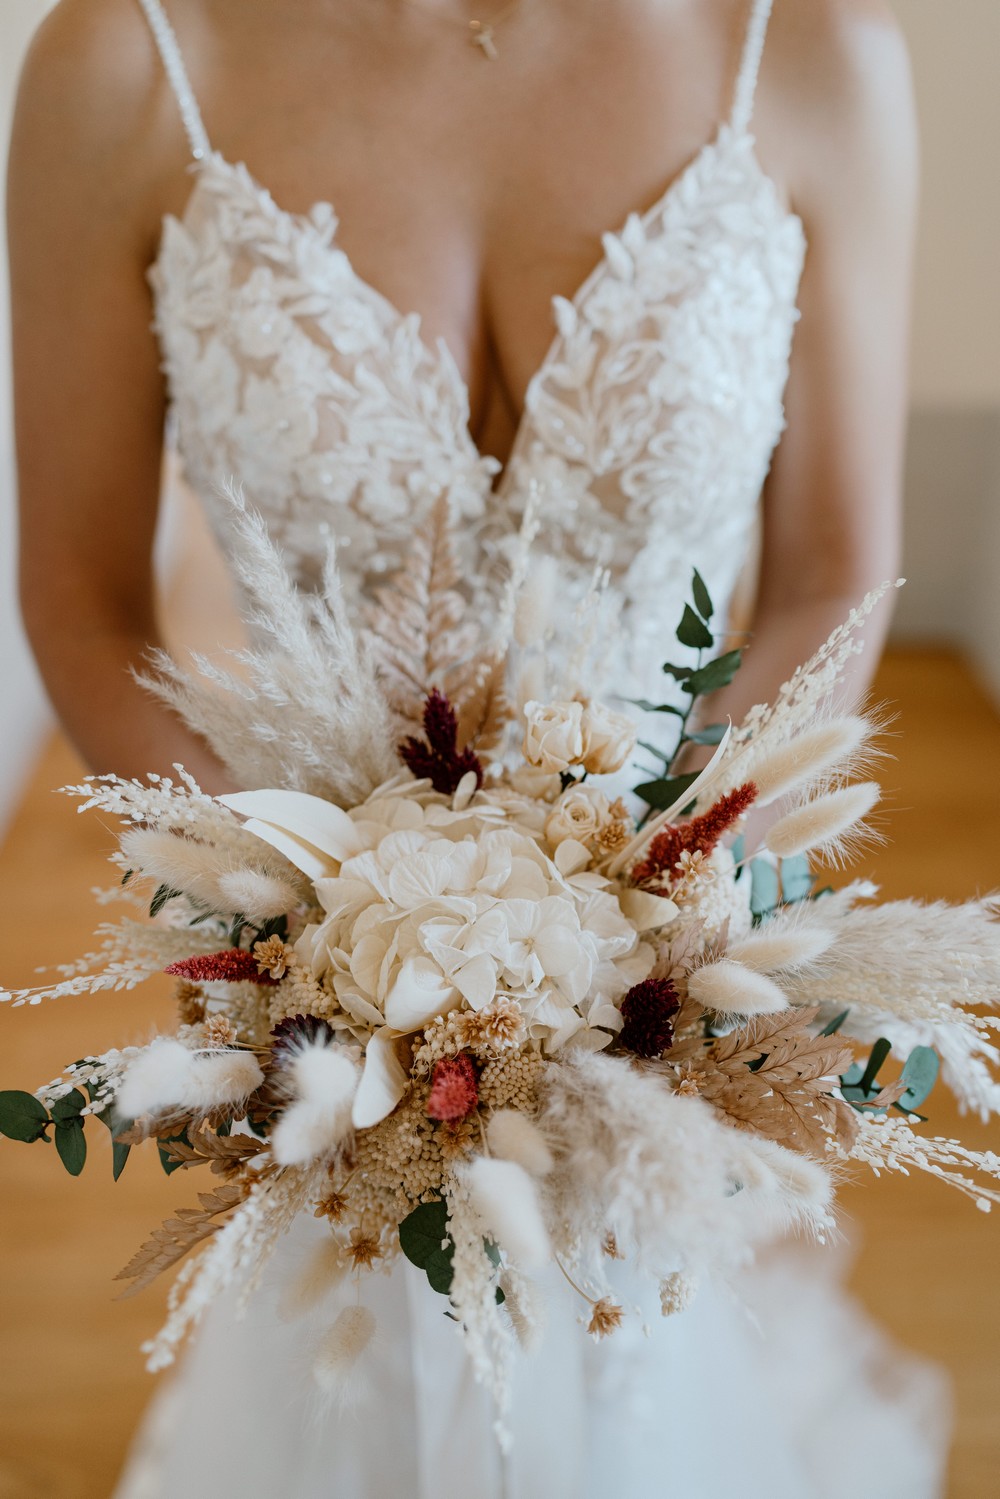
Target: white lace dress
(646,436)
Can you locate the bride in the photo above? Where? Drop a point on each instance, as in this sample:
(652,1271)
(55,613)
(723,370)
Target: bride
(570,244)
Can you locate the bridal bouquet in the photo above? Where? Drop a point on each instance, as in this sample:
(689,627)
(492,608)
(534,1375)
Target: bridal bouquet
(438,986)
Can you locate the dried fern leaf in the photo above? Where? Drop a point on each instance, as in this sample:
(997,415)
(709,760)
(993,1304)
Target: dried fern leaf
(484,711)
(174,1238)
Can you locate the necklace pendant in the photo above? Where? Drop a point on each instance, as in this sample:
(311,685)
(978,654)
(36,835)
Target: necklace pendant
(481,36)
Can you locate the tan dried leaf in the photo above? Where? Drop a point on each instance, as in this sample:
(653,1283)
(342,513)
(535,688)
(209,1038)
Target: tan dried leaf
(484,710)
(175,1237)
(226,1154)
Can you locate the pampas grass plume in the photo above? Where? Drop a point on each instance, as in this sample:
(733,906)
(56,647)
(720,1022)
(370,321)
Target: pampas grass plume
(512,1136)
(527,1307)
(504,1197)
(324,1269)
(169,1075)
(811,754)
(793,1190)
(730,989)
(335,1367)
(823,822)
(326,1080)
(785,949)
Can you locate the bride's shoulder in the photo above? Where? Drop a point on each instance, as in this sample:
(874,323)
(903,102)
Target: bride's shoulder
(83,121)
(836,102)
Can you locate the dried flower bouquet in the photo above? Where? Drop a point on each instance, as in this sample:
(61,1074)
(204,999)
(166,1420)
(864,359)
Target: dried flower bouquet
(437,987)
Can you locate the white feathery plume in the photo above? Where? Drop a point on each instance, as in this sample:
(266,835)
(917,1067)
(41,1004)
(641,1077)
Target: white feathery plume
(923,962)
(309,715)
(781,949)
(768,726)
(539,592)
(504,1196)
(210,876)
(888,1143)
(235,1256)
(323,1271)
(511,1135)
(825,823)
(256,894)
(789,1190)
(167,1074)
(729,988)
(130,953)
(526,1306)
(813,754)
(324,1079)
(336,1365)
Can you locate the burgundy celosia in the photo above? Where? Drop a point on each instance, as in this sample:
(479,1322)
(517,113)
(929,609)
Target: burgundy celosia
(438,758)
(648,1010)
(700,835)
(454,1089)
(234,965)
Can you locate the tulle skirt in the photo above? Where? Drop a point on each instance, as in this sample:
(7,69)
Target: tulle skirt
(776,1388)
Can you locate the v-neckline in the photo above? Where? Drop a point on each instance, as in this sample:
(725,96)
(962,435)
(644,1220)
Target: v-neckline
(322,212)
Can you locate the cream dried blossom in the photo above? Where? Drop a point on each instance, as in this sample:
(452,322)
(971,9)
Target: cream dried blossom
(606,1316)
(608,739)
(274,956)
(553,735)
(219,1030)
(579,813)
(499,1028)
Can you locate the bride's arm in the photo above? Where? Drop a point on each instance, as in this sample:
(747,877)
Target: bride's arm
(836,115)
(89,400)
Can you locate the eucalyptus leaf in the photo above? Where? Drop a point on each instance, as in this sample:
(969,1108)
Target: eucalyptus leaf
(834,1026)
(714,674)
(648,707)
(712,733)
(71,1143)
(692,631)
(920,1073)
(654,749)
(701,595)
(796,879)
(22,1116)
(69,1107)
(423,1231)
(663,794)
(440,1269)
(879,1052)
(169,1164)
(764,890)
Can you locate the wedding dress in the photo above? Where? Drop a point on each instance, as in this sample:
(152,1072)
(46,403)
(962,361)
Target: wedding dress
(645,439)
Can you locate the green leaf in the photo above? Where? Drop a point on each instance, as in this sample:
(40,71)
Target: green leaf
(714,674)
(693,631)
(492,1253)
(163,894)
(166,1159)
(701,595)
(679,673)
(501,1298)
(738,850)
(880,1051)
(835,1024)
(796,879)
(22,1116)
(764,892)
(648,707)
(71,1144)
(712,733)
(127,876)
(423,1231)
(920,1073)
(663,794)
(654,749)
(119,1151)
(440,1269)
(68,1107)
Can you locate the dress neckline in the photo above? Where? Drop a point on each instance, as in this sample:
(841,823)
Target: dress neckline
(320,223)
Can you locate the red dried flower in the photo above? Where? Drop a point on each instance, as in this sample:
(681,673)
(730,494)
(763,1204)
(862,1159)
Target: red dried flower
(700,835)
(234,965)
(648,1010)
(454,1089)
(438,759)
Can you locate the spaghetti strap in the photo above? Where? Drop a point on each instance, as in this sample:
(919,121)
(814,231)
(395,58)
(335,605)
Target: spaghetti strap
(176,72)
(746,79)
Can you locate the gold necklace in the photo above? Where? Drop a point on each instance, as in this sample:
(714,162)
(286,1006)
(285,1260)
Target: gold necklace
(481,34)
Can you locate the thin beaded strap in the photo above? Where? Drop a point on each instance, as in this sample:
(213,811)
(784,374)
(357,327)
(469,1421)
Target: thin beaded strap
(746,81)
(176,72)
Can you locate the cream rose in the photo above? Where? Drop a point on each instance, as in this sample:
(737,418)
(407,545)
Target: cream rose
(608,739)
(579,813)
(553,737)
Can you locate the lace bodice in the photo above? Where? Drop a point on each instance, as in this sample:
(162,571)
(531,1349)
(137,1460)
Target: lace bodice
(647,430)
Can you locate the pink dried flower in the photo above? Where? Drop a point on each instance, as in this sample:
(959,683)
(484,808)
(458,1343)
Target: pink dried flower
(454,1089)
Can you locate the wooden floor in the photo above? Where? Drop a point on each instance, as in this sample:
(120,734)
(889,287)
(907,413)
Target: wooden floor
(71,1378)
